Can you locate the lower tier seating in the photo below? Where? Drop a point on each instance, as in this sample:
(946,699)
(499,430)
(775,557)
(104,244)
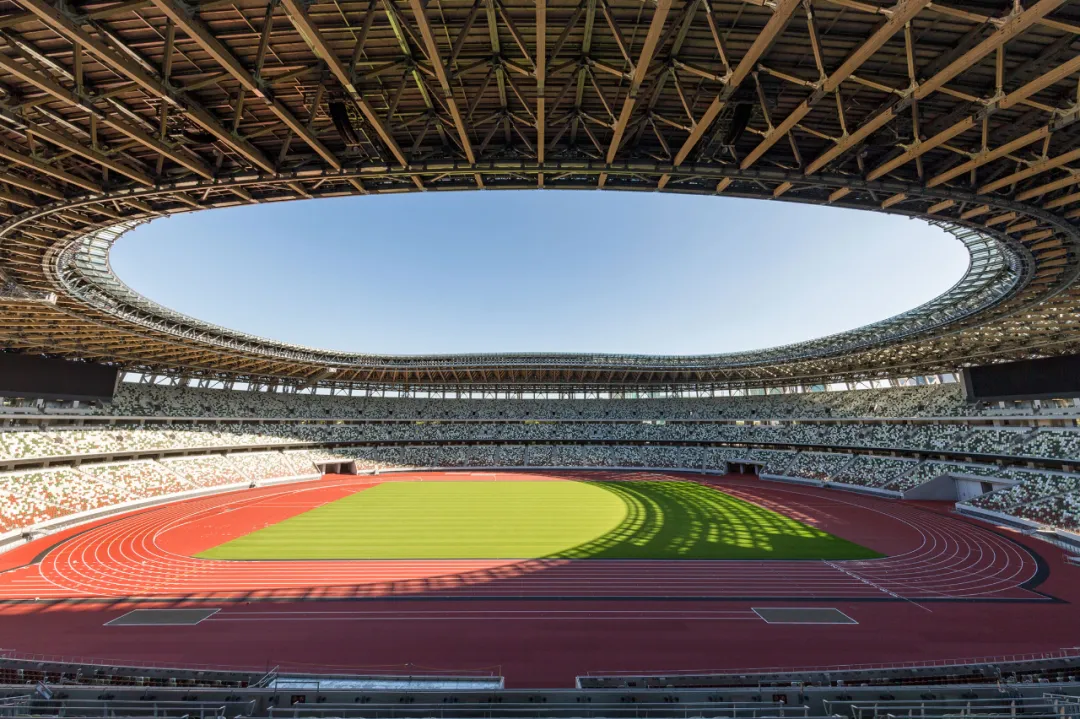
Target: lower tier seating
(30,497)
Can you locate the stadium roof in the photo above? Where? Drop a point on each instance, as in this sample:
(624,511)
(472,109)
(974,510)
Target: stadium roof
(963,112)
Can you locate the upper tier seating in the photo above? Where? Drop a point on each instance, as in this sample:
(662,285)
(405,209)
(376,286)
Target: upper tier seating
(124,438)
(1056,444)
(31,444)
(924,401)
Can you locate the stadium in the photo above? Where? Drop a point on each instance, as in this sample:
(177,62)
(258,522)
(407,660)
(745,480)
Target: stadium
(200,522)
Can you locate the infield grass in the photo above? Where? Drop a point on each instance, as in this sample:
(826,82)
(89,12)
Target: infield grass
(531,519)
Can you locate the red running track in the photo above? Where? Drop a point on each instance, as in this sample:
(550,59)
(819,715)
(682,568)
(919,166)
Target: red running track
(948,588)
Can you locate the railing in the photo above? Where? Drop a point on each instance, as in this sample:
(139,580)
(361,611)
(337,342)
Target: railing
(1065,654)
(576,710)
(10,655)
(57,663)
(111,709)
(984,708)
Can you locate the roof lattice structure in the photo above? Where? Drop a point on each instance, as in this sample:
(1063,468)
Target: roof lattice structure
(964,112)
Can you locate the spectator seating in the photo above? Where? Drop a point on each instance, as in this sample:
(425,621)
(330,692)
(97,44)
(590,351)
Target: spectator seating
(262,465)
(135,480)
(1054,444)
(1031,486)
(869,471)
(208,470)
(662,433)
(1059,510)
(136,400)
(811,465)
(932,470)
(992,441)
(32,497)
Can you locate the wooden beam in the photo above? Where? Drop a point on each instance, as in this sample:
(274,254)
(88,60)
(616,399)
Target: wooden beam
(31,186)
(1040,83)
(313,37)
(1073,179)
(1035,168)
(432,49)
(648,49)
(864,131)
(204,38)
(941,206)
(1003,34)
(781,15)
(47,169)
(1013,26)
(62,24)
(921,147)
(541,80)
(47,85)
(18,199)
(901,14)
(1062,201)
(983,158)
(894,199)
(89,153)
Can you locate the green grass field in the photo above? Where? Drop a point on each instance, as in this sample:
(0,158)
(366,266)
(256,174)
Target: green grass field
(527,520)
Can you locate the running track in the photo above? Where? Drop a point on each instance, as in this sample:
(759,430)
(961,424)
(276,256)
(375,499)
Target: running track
(948,588)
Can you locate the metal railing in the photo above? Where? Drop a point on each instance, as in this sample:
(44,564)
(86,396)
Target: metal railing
(582,710)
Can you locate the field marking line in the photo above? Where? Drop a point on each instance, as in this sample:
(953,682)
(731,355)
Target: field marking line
(209,613)
(864,580)
(850,620)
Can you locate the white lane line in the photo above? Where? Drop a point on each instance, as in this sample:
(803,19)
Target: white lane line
(891,593)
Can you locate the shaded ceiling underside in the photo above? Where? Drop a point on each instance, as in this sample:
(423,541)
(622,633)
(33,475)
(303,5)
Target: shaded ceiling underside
(964,113)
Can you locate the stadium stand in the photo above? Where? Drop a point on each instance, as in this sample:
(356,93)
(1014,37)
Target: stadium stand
(41,495)
(1054,443)
(1030,487)
(257,466)
(136,479)
(152,441)
(1059,510)
(876,472)
(810,465)
(137,400)
(932,470)
(205,470)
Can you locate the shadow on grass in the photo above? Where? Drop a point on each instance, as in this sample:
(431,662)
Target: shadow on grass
(687,520)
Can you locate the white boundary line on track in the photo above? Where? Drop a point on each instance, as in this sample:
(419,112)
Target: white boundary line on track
(864,580)
(116,621)
(850,621)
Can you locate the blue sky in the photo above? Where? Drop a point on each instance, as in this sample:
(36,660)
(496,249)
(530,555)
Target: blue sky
(539,271)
